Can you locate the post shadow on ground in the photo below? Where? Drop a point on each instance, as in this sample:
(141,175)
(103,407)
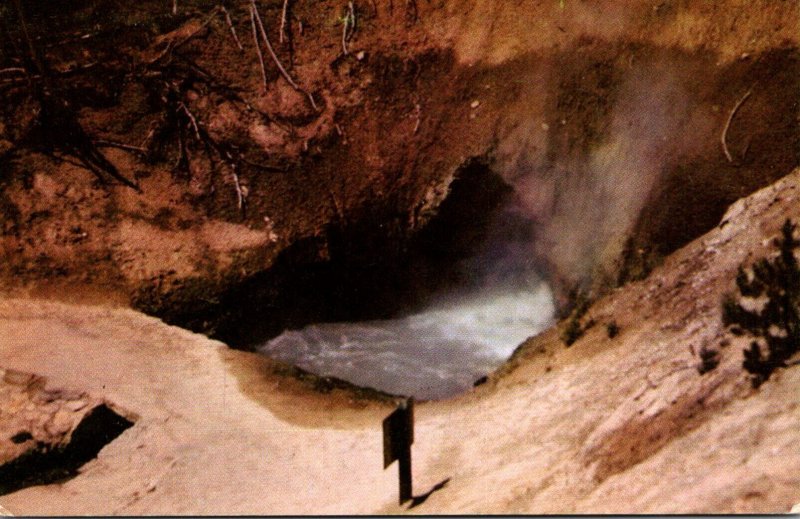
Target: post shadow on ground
(418,500)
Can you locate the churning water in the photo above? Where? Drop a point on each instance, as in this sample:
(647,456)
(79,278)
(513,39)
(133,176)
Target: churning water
(466,330)
(435,353)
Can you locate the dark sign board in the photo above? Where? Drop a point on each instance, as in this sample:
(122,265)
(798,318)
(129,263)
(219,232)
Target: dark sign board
(398,432)
(398,435)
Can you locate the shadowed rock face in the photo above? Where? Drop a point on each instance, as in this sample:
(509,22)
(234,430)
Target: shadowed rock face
(54,432)
(373,268)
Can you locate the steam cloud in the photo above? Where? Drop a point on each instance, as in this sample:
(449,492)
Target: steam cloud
(586,203)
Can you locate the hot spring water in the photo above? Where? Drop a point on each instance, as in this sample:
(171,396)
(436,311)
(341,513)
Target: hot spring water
(466,329)
(435,353)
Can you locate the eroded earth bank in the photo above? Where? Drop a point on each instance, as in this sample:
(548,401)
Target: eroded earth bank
(150,165)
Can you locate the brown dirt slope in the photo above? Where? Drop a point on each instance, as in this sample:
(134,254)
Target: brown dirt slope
(616,105)
(623,425)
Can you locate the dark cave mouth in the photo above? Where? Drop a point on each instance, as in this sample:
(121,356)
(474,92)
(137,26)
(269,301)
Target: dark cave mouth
(429,319)
(369,268)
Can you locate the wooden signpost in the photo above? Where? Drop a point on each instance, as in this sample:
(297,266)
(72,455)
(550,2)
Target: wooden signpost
(398,435)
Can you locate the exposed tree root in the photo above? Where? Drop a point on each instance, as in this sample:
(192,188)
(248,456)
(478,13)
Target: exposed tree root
(229,22)
(284,73)
(724,137)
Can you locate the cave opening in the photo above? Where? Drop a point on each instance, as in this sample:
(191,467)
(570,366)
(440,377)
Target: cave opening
(429,317)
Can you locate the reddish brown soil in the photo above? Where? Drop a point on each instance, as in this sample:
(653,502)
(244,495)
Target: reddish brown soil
(606,119)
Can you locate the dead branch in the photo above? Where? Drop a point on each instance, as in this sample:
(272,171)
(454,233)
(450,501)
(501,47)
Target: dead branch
(192,119)
(27,76)
(258,46)
(95,163)
(285,33)
(149,137)
(231,27)
(19,80)
(286,76)
(348,26)
(13,80)
(101,143)
(746,148)
(75,69)
(265,167)
(58,126)
(33,56)
(724,137)
(59,157)
(240,197)
(353,18)
(61,129)
(336,205)
(171,46)
(208,20)
(283,36)
(18,70)
(241,193)
(71,39)
(214,150)
(174,7)
(229,92)
(167,50)
(182,158)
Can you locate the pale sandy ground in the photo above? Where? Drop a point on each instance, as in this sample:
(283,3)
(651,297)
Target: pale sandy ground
(608,425)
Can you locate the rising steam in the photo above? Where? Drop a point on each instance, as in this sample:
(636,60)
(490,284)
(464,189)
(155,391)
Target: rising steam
(586,202)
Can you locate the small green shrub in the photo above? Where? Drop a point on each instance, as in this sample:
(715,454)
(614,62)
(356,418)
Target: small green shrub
(776,326)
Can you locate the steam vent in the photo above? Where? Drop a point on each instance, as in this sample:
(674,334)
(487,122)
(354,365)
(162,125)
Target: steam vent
(464,257)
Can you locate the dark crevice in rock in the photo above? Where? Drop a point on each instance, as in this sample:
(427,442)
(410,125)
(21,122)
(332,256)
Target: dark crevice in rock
(371,266)
(45,464)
